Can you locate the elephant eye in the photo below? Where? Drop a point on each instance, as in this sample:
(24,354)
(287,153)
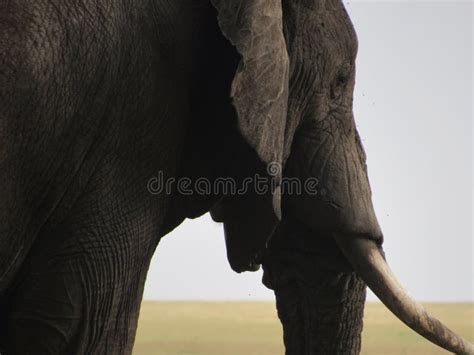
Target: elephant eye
(343,75)
(342,79)
(340,82)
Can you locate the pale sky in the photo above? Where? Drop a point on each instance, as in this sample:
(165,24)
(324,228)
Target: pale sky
(413,106)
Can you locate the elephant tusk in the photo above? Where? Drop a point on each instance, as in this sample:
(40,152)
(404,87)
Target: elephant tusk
(367,259)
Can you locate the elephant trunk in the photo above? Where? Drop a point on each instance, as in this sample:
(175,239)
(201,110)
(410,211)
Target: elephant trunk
(367,259)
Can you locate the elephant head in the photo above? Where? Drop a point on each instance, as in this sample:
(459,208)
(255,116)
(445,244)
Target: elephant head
(292,95)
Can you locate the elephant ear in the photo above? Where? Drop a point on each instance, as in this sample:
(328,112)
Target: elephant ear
(260,87)
(259,95)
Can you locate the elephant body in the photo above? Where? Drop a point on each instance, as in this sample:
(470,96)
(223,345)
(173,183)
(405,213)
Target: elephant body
(98,97)
(94,108)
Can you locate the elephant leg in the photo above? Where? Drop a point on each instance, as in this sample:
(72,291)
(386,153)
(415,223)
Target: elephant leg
(320,307)
(81,289)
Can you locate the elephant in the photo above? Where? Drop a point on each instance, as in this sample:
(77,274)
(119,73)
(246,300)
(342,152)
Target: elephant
(97,97)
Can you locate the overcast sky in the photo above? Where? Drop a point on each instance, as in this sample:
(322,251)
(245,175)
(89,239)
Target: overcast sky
(413,106)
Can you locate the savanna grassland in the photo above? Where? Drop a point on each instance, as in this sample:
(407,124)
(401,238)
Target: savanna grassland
(252,328)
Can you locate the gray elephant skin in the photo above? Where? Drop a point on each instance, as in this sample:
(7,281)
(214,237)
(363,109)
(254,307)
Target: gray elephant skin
(98,97)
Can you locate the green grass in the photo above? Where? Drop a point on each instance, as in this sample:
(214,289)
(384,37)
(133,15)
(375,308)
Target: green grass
(252,328)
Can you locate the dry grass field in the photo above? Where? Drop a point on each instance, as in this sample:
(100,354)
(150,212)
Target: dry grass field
(252,328)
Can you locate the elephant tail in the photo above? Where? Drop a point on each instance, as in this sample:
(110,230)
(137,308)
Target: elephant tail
(367,259)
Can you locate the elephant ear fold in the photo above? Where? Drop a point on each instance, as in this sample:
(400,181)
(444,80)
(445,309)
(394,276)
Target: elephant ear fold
(259,90)
(260,87)
(259,95)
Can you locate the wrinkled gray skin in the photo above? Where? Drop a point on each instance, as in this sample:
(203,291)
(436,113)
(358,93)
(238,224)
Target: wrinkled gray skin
(97,97)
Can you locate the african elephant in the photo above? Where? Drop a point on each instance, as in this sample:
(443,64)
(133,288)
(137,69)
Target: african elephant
(99,96)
